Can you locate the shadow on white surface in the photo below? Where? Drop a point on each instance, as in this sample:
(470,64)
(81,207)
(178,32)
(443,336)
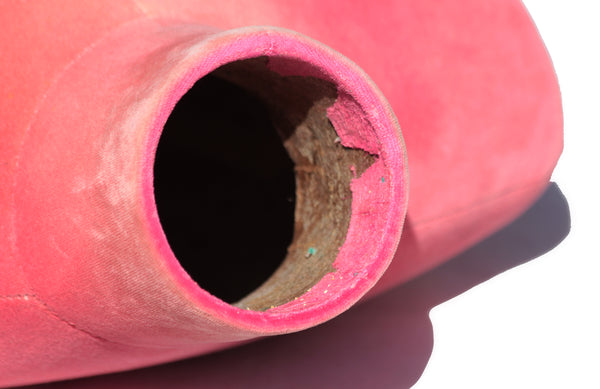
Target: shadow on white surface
(383,343)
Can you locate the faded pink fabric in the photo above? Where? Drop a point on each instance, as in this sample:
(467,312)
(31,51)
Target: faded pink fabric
(88,284)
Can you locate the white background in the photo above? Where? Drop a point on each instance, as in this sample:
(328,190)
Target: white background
(538,325)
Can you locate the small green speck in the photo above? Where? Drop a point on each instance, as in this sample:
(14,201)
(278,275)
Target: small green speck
(310,252)
(382,179)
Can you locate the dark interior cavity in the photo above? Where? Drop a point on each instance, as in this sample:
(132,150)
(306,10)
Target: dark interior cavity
(224,189)
(252,184)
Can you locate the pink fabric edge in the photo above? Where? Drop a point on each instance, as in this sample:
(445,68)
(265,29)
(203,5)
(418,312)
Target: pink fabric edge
(249,42)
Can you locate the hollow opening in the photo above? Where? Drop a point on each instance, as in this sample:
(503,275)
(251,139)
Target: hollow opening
(252,184)
(224,188)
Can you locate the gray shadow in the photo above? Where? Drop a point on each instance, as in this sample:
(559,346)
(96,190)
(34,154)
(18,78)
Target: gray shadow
(385,342)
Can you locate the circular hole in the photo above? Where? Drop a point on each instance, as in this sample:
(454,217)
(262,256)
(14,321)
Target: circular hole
(224,188)
(233,152)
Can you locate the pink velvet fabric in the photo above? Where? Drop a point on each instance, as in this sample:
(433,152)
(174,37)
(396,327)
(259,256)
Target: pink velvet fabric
(88,284)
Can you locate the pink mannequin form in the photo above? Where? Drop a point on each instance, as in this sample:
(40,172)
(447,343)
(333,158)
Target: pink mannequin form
(88,282)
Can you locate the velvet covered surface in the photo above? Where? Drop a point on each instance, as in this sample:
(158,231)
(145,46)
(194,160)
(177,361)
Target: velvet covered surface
(86,87)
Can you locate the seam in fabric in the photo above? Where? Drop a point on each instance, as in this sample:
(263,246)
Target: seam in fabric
(59,75)
(33,298)
(12,217)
